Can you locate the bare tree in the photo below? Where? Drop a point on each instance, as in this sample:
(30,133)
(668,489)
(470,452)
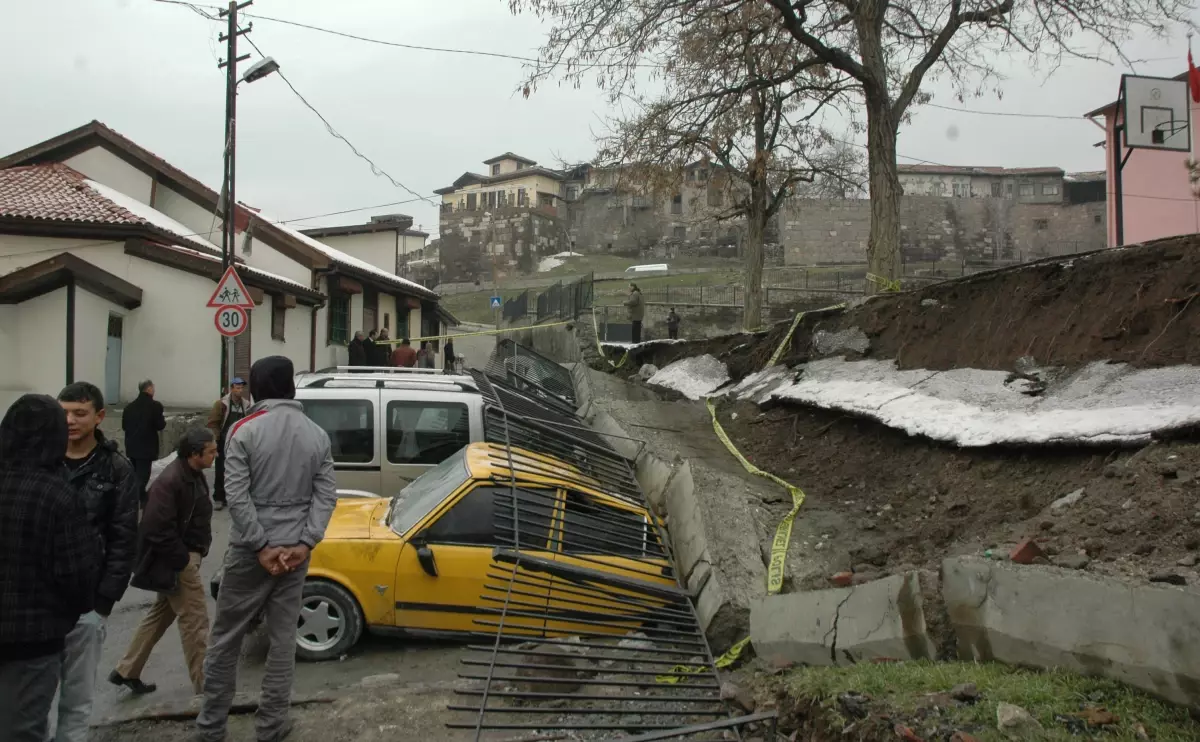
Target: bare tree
(739,101)
(888,47)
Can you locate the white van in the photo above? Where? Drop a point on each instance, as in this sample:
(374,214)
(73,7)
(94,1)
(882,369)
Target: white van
(650,269)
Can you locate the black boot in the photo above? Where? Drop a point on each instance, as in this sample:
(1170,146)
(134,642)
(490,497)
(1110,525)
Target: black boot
(134,684)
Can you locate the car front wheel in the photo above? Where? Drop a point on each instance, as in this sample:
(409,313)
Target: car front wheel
(330,622)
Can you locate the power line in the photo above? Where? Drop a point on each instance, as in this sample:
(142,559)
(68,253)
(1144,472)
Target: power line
(1007,113)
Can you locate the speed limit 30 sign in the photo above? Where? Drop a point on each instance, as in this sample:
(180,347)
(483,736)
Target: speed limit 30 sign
(231,321)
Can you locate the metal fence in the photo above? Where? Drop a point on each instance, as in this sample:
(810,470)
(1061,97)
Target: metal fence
(516,308)
(566,300)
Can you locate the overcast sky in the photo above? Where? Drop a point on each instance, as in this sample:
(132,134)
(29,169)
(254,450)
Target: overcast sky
(148,70)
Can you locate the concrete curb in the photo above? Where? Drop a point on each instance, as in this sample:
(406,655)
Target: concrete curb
(1144,635)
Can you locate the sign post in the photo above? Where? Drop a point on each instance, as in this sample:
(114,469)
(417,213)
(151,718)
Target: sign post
(232,302)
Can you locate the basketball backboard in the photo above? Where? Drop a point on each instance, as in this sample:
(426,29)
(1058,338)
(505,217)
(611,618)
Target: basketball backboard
(1156,113)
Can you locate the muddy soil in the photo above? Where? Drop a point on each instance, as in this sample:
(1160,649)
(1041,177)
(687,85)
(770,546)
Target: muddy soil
(879,502)
(1136,304)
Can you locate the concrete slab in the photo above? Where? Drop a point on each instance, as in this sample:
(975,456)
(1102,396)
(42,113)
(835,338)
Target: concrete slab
(880,619)
(1146,636)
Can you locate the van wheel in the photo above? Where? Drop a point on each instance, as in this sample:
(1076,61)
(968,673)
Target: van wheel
(330,622)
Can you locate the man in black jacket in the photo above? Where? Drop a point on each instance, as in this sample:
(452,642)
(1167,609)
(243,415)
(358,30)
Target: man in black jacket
(142,420)
(107,488)
(175,534)
(357,351)
(49,556)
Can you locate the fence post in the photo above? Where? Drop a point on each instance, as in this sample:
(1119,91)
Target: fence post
(701,294)
(668,294)
(839,280)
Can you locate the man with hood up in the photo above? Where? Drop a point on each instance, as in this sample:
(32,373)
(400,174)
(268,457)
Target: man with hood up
(280,485)
(50,558)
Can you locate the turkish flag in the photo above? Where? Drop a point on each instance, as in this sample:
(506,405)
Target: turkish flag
(1193,78)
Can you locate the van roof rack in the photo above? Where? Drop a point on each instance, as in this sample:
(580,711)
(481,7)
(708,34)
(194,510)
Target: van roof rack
(380,370)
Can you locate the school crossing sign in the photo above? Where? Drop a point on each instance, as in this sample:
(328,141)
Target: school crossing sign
(232,302)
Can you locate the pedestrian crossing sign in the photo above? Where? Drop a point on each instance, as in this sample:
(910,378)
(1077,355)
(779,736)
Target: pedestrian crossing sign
(496,302)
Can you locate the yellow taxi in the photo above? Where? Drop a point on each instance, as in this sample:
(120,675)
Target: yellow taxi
(422,563)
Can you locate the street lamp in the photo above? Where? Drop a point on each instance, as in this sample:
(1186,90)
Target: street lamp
(257,71)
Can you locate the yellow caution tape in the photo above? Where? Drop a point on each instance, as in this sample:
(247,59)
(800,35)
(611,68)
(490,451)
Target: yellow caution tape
(884,284)
(791,330)
(600,348)
(783,533)
(500,331)
(680,672)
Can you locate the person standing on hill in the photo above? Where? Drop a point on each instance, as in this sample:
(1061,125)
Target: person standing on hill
(282,493)
(224,415)
(637,311)
(673,324)
(49,564)
(142,421)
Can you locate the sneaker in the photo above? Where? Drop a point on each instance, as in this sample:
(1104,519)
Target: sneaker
(219,505)
(134,684)
(284,730)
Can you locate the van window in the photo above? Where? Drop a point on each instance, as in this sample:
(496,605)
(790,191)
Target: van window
(484,517)
(350,425)
(426,432)
(591,527)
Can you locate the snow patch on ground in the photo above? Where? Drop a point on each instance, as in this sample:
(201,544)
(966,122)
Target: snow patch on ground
(694,377)
(1102,403)
(551,262)
(644,343)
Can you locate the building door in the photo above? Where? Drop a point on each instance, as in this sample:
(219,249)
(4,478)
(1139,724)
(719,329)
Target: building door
(112,359)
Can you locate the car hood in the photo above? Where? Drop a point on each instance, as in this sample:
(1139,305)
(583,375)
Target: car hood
(355,517)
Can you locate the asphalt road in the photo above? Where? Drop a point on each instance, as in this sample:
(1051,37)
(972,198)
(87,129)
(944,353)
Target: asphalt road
(419,664)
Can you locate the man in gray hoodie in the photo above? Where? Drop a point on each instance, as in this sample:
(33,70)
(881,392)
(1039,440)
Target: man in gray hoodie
(280,486)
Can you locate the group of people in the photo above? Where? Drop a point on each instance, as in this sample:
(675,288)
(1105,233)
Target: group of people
(374,349)
(71,542)
(637,313)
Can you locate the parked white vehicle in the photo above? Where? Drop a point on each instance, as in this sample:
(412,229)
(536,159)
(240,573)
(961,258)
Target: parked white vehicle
(650,269)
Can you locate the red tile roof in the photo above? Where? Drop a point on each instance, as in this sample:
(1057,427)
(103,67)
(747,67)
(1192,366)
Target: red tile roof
(57,192)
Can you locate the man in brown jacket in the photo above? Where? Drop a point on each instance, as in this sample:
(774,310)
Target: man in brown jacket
(225,414)
(175,534)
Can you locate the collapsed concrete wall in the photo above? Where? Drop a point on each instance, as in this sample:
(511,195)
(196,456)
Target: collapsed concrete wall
(1143,635)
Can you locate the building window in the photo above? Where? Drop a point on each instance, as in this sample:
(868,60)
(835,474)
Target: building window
(471,201)
(278,318)
(1026,189)
(350,425)
(1008,190)
(957,189)
(677,204)
(716,197)
(937,189)
(426,432)
(1049,189)
(496,169)
(572,194)
(705,234)
(339,318)
(996,189)
(701,175)
(1041,225)
(679,233)
(520,166)
(691,175)
(1096,218)
(522,199)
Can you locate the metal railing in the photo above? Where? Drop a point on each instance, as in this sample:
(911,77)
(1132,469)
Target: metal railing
(618,604)
(531,371)
(566,300)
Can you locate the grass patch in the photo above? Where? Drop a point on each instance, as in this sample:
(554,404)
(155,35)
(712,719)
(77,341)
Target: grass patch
(905,688)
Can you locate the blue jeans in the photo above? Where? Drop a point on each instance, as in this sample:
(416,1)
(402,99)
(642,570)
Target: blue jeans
(77,678)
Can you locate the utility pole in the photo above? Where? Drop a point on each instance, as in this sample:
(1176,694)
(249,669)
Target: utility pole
(229,64)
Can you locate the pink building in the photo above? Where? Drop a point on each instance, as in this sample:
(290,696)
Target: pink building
(1156,192)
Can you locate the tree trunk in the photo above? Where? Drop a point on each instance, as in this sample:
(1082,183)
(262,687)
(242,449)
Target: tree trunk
(756,222)
(883,245)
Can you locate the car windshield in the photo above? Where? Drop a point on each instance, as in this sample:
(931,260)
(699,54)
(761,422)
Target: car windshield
(423,494)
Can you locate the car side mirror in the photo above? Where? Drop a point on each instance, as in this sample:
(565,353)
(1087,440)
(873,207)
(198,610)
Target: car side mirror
(425,558)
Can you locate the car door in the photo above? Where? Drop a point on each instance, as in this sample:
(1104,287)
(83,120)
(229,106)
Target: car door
(446,580)
(422,429)
(351,419)
(600,533)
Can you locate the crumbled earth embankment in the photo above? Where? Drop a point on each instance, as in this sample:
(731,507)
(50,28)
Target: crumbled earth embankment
(879,501)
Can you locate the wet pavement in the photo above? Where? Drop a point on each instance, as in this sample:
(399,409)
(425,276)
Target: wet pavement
(421,663)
